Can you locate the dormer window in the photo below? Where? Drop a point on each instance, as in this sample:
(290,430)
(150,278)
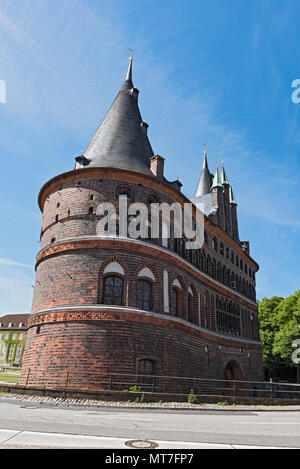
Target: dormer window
(82,160)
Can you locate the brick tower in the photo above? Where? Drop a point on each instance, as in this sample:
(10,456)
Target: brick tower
(109,306)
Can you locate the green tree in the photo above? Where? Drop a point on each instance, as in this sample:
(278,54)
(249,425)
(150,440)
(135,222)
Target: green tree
(268,328)
(288,321)
(279,326)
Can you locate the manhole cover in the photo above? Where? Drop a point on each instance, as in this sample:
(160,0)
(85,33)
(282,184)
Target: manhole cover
(141,444)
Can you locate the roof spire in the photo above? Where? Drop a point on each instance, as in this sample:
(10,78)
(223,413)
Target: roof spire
(204,183)
(129,72)
(231,196)
(224,179)
(205,165)
(217,179)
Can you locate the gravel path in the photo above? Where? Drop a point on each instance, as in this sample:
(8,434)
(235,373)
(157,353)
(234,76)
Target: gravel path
(152,405)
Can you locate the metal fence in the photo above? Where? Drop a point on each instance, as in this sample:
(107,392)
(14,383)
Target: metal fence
(70,380)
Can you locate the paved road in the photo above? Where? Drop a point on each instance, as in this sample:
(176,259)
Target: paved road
(25,423)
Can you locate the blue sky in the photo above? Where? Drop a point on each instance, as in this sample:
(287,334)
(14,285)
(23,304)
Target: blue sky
(215,72)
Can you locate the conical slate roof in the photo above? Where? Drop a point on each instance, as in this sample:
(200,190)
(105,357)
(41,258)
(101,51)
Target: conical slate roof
(121,140)
(204,183)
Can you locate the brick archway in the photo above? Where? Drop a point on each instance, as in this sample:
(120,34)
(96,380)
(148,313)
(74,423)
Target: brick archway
(233,372)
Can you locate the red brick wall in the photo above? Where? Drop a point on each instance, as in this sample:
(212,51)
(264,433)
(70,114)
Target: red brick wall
(85,348)
(70,274)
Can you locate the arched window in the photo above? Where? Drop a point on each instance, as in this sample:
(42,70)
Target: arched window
(219,272)
(125,191)
(228,277)
(208,265)
(213,269)
(144,295)
(152,199)
(204,263)
(215,244)
(113,290)
(200,257)
(206,350)
(190,308)
(232,281)
(228,317)
(146,272)
(224,273)
(222,249)
(207,310)
(177,298)
(176,301)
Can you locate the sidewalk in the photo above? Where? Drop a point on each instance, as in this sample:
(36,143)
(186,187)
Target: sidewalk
(14,439)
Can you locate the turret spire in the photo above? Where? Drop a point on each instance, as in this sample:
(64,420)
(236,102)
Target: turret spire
(129,72)
(224,179)
(217,179)
(204,183)
(231,196)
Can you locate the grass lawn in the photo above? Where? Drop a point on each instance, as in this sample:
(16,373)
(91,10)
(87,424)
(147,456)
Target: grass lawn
(9,378)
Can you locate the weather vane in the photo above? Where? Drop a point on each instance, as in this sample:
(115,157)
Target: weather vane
(131,50)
